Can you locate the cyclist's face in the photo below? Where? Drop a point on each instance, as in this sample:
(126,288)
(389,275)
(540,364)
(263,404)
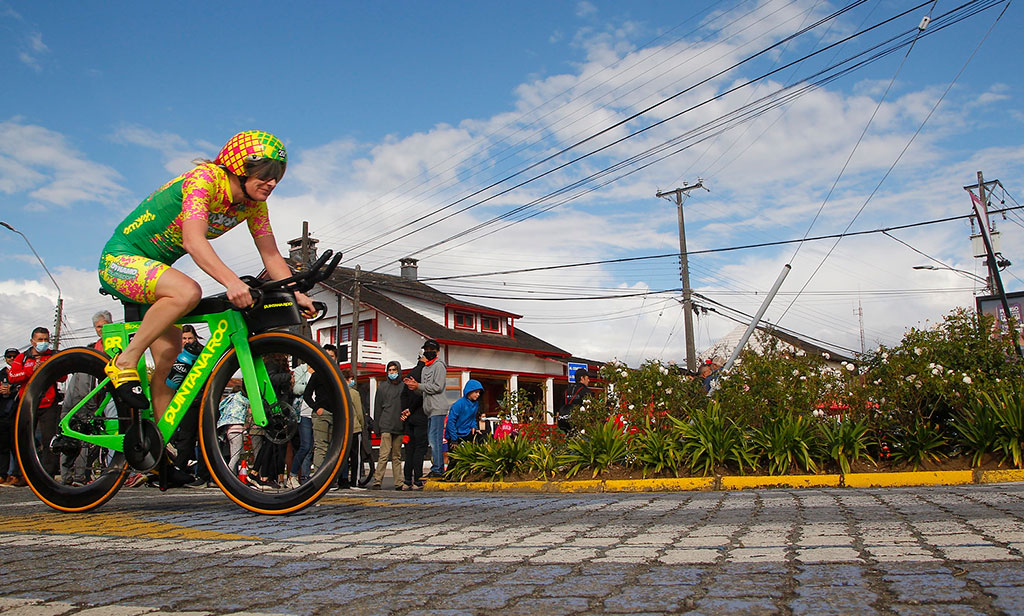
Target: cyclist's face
(260,189)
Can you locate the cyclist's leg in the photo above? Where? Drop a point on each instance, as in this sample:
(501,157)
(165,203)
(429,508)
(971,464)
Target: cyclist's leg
(175,295)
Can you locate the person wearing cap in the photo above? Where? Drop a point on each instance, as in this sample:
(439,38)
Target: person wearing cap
(574,397)
(8,404)
(431,387)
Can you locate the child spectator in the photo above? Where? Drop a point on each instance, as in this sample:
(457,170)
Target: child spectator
(463,417)
(233,411)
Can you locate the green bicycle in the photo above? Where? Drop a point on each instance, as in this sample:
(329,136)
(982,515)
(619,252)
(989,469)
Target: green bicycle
(249,347)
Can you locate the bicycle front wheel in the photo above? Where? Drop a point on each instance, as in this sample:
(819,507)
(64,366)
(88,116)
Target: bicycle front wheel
(269,452)
(55,388)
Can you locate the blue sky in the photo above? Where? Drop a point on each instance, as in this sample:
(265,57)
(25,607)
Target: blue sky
(394,110)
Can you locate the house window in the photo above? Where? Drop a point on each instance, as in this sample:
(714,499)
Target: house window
(465,320)
(365,332)
(490,324)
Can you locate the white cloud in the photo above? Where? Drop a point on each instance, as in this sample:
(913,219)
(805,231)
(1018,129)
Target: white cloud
(42,164)
(176,151)
(32,51)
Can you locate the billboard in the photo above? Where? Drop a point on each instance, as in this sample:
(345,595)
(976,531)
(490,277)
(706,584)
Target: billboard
(992,305)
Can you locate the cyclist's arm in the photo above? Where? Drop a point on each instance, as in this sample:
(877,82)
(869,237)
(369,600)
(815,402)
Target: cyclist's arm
(193,239)
(278,269)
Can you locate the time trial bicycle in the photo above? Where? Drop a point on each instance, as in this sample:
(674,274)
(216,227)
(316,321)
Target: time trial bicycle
(251,348)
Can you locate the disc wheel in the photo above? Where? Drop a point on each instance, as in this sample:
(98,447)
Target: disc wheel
(262,449)
(55,388)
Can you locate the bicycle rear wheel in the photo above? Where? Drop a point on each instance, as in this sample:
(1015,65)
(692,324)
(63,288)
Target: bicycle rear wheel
(54,389)
(265,449)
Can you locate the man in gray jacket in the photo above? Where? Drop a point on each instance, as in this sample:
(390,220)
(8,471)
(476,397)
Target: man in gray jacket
(435,404)
(387,411)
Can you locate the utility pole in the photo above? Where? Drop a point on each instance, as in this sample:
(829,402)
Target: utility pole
(304,251)
(354,337)
(684,268)
(860,315)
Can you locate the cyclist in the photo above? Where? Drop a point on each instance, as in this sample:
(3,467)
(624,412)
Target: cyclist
(181,217)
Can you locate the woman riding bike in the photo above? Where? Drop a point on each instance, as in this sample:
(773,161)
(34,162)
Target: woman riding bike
(180,218)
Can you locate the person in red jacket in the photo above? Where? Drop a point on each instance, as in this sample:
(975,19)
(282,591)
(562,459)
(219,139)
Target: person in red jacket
(21,370)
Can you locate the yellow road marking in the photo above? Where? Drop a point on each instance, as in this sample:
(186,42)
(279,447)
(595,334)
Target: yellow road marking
(109,524)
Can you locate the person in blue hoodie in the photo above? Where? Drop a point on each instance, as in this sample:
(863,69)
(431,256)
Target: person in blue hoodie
(463,421)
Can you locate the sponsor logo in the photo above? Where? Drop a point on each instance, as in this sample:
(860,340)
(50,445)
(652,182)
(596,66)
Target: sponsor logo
(191,379)
(138,222)
(121,272)
(278,305)
(218,219)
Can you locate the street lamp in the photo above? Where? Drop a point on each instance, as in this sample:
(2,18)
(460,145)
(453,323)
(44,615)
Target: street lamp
(60,301)
(975,277)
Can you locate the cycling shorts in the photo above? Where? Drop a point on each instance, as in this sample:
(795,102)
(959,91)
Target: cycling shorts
(131,277)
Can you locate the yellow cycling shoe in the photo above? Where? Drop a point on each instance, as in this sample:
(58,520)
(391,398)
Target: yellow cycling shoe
(127,385)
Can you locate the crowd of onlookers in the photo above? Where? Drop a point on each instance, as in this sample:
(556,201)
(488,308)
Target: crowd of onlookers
(410,410)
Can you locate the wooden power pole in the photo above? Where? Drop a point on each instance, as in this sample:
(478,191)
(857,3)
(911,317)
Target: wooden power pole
(684,268)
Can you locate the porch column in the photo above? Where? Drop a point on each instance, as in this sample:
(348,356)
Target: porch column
(549,400)
(373,392)
(513,383)
(463,379)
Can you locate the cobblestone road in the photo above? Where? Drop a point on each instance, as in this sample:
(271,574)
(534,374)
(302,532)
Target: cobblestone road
(957,550)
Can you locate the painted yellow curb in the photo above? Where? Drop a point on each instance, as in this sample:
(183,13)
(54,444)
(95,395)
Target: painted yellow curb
(853,480)
(919,478)
(1001,476)
(783,481)
(680,484)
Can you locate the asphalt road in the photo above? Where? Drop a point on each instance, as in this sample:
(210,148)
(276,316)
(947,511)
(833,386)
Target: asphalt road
(956,550)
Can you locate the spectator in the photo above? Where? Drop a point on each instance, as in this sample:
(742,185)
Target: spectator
(708,375)
(387,411)
(435,405)
(268,467)
(21,369)
(348,476)
(303,457)
(234,410)
(8,406)
(463,417)
(416,422)
(574,396)
(76,469)
(323,418)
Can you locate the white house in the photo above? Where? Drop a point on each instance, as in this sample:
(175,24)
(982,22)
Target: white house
(398,313)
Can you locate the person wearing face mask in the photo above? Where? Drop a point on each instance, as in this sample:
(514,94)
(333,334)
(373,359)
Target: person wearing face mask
(8,404)
(21,370)
(387,411)
(431,388)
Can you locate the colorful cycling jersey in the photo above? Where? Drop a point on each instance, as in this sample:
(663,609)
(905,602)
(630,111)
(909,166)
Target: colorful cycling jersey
(153,229)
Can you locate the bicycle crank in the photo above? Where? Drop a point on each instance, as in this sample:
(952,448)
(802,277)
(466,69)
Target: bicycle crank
(143,445)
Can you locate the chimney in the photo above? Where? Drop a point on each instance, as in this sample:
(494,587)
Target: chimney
(295,250)
(408,268)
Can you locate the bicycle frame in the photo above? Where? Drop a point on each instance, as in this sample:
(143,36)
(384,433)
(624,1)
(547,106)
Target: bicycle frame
(228,330)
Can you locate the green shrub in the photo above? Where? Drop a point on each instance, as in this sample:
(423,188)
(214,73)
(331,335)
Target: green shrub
(920,443)
(846,441)
(597,449)
(657,451)
(494,459)
(976,429)
(711,440)
(787,440)
(543,459)
(1008,404)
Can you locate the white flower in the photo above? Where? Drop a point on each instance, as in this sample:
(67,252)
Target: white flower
(826,356)
(931,365)
(917,384)
(668,390)
(800,353)
(917,351)
(623,373)
(664,371)
(967,380)
(659,383)
(803,378)
(737,362)
(885,356)
(796,373)
(850,367)
(885,361)
(631,407)
(818,413)
(936,371)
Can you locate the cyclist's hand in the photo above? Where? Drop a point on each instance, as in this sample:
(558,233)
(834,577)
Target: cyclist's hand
(306,304)
(239,295)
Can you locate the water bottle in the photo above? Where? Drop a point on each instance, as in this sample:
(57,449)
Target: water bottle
(182,364)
